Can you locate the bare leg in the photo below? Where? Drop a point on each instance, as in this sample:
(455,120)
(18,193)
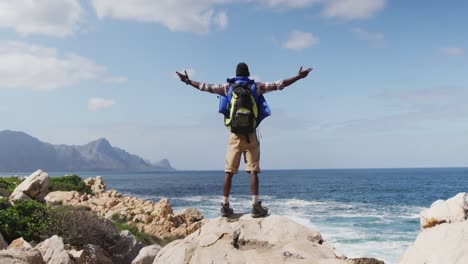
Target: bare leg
(227,184)
(254,182)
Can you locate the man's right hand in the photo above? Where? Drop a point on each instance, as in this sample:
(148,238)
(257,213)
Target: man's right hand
(183,77)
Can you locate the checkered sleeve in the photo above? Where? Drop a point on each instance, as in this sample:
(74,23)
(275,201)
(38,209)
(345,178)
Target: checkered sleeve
(221,89)
(267,87)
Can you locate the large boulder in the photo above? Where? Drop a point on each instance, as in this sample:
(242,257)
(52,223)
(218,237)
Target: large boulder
(33,187)
(126,248)
(444,243)
(97,255)
(452,210)
(147,255)
(274,239)
(53,251)
(3,243)
(61,197)
(20,252)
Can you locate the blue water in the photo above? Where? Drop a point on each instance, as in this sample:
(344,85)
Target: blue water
(362,212)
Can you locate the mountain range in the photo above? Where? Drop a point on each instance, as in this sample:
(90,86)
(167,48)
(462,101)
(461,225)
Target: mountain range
(20,152)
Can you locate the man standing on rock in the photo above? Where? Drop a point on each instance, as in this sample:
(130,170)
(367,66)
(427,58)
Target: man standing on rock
(244,107)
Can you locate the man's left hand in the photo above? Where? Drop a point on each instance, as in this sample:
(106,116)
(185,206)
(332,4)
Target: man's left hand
(303,73)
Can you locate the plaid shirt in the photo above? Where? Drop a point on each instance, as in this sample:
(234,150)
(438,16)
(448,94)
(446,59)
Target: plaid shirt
(222,89)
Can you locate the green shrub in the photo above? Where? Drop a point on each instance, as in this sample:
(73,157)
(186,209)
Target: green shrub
(79,227)
(8,185)
(68,183)
(27,219)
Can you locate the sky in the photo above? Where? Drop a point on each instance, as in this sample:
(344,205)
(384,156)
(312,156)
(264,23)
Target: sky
(389,87)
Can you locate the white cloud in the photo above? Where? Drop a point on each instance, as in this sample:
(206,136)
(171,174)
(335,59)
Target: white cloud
(290,3)
(49,17)
(453,51)
(299,40)
(26,66)
(96,104)
(343,9)
(352,9)
(374,37)
(182,15)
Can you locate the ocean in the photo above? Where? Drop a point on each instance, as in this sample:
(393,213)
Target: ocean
(362,212)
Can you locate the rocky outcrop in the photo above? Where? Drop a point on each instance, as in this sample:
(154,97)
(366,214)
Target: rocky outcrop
(20,252)
(126,249)
(157,219)
(97,255)
(53,251)
(147,255)
(452,210)
(445,243)
(443,238)
(274,239)
(33,187)
(3,243)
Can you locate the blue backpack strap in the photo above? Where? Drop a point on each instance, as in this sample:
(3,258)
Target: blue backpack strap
(263,108)
(225,99)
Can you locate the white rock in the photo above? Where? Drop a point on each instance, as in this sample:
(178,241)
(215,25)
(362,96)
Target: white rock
(147,255)
(444,243)
(452,210)
(274,239)
(60,197)
(34,186)
(20,252)
(53,251)
(20,243)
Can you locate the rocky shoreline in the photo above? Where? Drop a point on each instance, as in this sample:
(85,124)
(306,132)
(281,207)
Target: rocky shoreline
(238,239)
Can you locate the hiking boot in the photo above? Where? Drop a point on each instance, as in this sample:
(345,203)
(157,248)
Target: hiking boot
(226,210)
(258,210)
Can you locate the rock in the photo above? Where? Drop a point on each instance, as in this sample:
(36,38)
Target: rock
(3,243)
(147,255)
(444,243)
(452,210)
(97,255)
(96,184)
(53,251)
(79,257)
(21,244)
(61,197)
(126,249)
(34,187)
(367,261)
(20,252)
(192,215)
(20,257)
(274,239)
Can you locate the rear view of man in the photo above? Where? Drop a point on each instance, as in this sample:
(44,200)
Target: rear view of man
(244,107)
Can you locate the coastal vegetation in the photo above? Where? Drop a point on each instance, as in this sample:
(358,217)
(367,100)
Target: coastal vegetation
(68,183)
(8,185)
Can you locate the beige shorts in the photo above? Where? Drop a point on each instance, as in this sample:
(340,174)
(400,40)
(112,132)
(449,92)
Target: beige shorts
(238,145)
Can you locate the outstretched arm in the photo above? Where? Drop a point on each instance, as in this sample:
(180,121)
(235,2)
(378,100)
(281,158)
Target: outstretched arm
(300,75)
(279,85)
(220,89)
(185,78)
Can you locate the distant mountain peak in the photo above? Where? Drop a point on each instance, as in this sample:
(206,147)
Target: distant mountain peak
(22,152)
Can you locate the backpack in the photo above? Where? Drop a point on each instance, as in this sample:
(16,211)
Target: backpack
(242,121)
(243,111)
